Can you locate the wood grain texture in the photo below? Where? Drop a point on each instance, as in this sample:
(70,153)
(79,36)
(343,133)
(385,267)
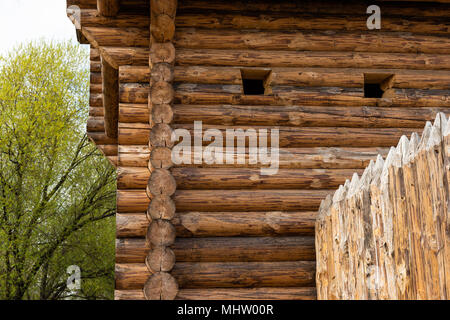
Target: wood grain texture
(217,274)
(223,224)
(224,249)
(394,216)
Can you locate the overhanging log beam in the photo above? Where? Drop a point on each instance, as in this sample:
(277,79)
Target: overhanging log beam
(108,8)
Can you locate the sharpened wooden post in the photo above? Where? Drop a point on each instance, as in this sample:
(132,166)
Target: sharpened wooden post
(387,235)
(160,261)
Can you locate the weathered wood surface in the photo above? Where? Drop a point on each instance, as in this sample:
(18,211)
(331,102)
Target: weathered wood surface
(209,94)
(132,276)
(385,235)
(115,35)
(309,77)
(248,200)
(224,249)
(293,39)
(223,224)
(268,293)
(229,178)
(324,59)
(289,158)
(292,137)
(161,233)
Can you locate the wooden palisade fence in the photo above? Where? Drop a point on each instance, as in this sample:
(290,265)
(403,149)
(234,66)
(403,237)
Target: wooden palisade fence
(386,234)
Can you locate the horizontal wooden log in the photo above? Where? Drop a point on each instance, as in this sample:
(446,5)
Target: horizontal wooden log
(253,58)
(391,97)
(228,178)
(217,178)
(134,133)
(310,6)
(415,79)
(224,249)
(129,295)
(108,150)
(101,138)
(119,56)
(95,88)
(134,149)
(208,224)
(96,66)
(305,115)
(96,111)
(290,95)
(132,113)
(134,155)
(132,201)
(131,225)
(91,18)
(248,200)
(325,59)
(305,293)
(301,293)
(223,224)
(309,77)
(191,93)
(286,21)
(134,74)
(218,274)
(96,100)
(131,276)
(405,97)
(135,93)
(134,160)
(292,137)
(96,78)
(294,39)
(272,40)
(95,124)
(295,158)
(132,177)
(117,37)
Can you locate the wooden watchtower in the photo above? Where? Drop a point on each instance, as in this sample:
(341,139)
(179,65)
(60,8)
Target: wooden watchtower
(339,89)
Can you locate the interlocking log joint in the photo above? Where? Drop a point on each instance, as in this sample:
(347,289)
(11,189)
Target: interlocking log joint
(385,235)
(160,261)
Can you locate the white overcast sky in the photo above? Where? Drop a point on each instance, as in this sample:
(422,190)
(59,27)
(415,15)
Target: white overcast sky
(26,20)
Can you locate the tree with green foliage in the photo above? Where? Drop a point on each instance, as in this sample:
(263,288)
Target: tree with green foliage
(57,192)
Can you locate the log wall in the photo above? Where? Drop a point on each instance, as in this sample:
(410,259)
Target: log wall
(385,235)
(317,55)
